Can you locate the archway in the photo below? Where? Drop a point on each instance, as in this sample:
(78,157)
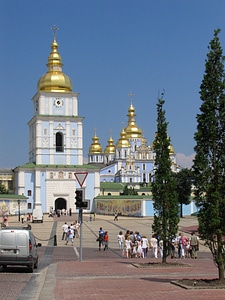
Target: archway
(60,203)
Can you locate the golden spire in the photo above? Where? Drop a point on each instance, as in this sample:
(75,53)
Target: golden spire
(132,130)
(54,80)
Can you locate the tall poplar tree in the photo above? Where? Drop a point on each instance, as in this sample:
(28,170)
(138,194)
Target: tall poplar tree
(165,223)
(209,162)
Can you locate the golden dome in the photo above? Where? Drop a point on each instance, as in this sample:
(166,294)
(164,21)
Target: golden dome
(95,147)
(110,148)
(132,130)
(171,149)
(123,141)
(54,80)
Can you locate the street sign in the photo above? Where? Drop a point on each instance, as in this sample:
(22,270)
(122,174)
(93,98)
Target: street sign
(81,176)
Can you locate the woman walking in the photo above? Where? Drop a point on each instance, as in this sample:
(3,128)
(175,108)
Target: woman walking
(106,240)
(120,239)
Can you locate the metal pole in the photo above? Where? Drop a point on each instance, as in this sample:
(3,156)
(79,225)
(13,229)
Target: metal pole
(81,227)
(18,210)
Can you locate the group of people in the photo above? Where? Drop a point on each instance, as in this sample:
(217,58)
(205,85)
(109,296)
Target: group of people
(134,245)
(103,239)
(184,247)
(70,232)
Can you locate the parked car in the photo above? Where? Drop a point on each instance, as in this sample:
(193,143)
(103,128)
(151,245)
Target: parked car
(18,247)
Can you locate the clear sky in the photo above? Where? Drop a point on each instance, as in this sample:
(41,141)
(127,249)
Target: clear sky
(108,48)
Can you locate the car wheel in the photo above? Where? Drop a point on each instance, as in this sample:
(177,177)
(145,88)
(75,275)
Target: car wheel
(31,269)
(36,264)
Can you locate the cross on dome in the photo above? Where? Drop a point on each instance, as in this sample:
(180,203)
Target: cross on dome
(54,28)
(131,96)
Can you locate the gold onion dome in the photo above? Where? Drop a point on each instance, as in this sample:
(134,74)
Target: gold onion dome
(54,80)
(171,149)
(110,148)
(132,130)
(123,141)
(95,147)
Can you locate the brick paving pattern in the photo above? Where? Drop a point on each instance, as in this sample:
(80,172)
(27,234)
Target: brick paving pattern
(104,274)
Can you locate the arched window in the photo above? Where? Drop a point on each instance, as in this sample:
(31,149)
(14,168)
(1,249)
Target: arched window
(59,142)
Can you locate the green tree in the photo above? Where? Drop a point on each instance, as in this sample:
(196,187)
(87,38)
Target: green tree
(164,186)
(209,162)
(129,191)
(184,183)
(3,190)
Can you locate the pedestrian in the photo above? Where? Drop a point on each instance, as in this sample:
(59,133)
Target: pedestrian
(76,229)
(128,247)
(183,244)
(194,243)
(100,238)
(179,242)
(161,248)
(70,212)
(106,240)
(69,236)
(120,239)
(22,218)
(65,229)
(144,245)
(94,216)
(154,245)
(139,248)
(173,247)
(116,216)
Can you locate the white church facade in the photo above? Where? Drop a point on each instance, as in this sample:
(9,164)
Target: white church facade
(55,145)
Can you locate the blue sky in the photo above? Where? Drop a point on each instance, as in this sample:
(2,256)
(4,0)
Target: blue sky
(108,48)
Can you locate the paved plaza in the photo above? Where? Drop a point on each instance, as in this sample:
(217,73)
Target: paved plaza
(68,272)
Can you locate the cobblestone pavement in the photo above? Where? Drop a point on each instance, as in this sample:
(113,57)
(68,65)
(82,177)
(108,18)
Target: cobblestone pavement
(66,272)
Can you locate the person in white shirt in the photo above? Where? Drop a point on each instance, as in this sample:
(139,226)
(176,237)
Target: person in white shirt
(144,245)
(154,244)
(120,239)
(65,229)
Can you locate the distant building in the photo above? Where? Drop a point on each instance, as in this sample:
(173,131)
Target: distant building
(6,179)
(130,160)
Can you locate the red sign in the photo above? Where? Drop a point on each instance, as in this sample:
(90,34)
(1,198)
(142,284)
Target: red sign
(81,176)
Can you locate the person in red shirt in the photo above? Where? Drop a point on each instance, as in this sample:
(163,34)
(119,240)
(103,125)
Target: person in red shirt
(106,240)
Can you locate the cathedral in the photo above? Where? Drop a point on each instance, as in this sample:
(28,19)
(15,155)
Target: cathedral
(55,168)
(130,160)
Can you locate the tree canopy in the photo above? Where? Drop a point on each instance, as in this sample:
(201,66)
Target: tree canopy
(165,223)
(209,162)
(184,180)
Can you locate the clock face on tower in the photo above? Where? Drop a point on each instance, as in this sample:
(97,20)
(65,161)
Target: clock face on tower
(58,102)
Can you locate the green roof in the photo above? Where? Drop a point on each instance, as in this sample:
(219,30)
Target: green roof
(132,197)
(111,186)
(34,166)
(13,197)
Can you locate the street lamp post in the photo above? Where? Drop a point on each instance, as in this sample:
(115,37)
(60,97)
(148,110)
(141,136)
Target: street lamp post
(18,210)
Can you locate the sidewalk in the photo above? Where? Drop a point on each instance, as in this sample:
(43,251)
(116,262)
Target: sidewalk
(109,275)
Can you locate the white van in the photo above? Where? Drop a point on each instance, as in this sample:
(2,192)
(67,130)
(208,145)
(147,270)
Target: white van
(18,247)
(37,215)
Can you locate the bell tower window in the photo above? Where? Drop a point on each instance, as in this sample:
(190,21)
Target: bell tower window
(59,142)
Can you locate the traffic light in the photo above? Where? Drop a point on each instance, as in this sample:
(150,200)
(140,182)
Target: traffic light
(79,197)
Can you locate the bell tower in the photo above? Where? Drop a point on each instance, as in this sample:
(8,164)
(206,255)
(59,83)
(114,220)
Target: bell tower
(56,129)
